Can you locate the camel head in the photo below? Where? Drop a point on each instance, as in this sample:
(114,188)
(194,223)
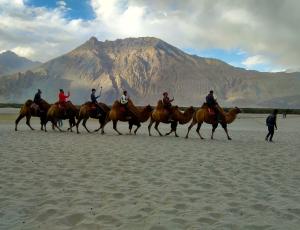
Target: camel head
(149,108)
(237,110)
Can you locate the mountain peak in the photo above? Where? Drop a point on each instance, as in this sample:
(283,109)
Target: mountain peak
(8,53)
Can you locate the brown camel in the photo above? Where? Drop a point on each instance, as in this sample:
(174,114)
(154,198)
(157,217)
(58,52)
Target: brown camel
(28,111)
(160,114)
(135,116)
(89,110)
(56,113)
(203,115)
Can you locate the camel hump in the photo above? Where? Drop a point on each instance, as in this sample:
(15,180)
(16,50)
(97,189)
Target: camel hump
(116,104)
(87,103)
(160,104)
(104,107)
(28,102)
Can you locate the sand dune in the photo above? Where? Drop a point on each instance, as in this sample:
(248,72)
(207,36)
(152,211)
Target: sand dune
(67,181)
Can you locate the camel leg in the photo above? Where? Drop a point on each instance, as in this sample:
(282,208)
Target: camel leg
(77,124)
(45,125)
(149,126)
(156,127)
(42,124)
(213,130)
(102,124)
(54,123)
(115,127)
(189,129)
(72,123)
(20,117)
(28,122)
(174,128)
(130,126)
(224,125)
(198,130)
(138,126)
(167,134)
(84,125)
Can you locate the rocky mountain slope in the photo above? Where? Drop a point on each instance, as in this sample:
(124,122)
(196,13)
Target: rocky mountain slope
(12,63)
(146,67)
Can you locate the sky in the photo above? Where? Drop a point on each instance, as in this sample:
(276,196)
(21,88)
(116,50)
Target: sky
(261,35)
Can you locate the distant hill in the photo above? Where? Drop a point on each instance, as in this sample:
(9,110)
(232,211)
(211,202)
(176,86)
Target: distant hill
(146,67)
(12,63)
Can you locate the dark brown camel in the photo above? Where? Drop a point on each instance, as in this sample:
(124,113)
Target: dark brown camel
(28,111)
(56,112)
(89,110)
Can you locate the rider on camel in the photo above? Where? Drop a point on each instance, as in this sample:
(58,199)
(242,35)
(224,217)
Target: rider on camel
(62,99)
(213,104)
(95,102)
(124,101)
(167,104)
(37,100)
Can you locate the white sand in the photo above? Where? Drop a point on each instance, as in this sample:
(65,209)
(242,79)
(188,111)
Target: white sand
(67,181)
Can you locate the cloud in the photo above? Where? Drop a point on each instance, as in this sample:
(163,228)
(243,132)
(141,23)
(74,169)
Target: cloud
(255,60)
(24,51)
(266,28)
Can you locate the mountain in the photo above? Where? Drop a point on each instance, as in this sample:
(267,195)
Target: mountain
(146,67)
(12,63)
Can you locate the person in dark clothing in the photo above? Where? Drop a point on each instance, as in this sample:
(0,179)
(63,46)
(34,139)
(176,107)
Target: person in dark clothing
(95,102)
(210,100)
(37,101)
(212,104)
(167,101)
(37,97)
(271,123)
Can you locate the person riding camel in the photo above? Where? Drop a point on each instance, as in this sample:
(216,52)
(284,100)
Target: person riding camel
(62,99)
(124,101)
(37,101)
(213,104)
(95,102)
(167,103)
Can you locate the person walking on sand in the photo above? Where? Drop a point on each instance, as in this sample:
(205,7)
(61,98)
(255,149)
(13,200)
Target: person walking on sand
(271,123)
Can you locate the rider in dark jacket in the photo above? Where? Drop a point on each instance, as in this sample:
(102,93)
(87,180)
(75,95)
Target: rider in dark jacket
(95,102)
(37,100)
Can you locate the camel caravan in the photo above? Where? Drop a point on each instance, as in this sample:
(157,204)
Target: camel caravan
(124,110)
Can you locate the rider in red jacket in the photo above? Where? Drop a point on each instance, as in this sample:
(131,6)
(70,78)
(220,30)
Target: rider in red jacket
(62,98)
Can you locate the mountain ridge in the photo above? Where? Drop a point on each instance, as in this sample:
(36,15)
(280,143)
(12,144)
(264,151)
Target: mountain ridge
(146,67)
(11,63)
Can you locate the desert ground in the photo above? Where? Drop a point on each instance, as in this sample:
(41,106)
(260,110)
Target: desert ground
(91,181)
